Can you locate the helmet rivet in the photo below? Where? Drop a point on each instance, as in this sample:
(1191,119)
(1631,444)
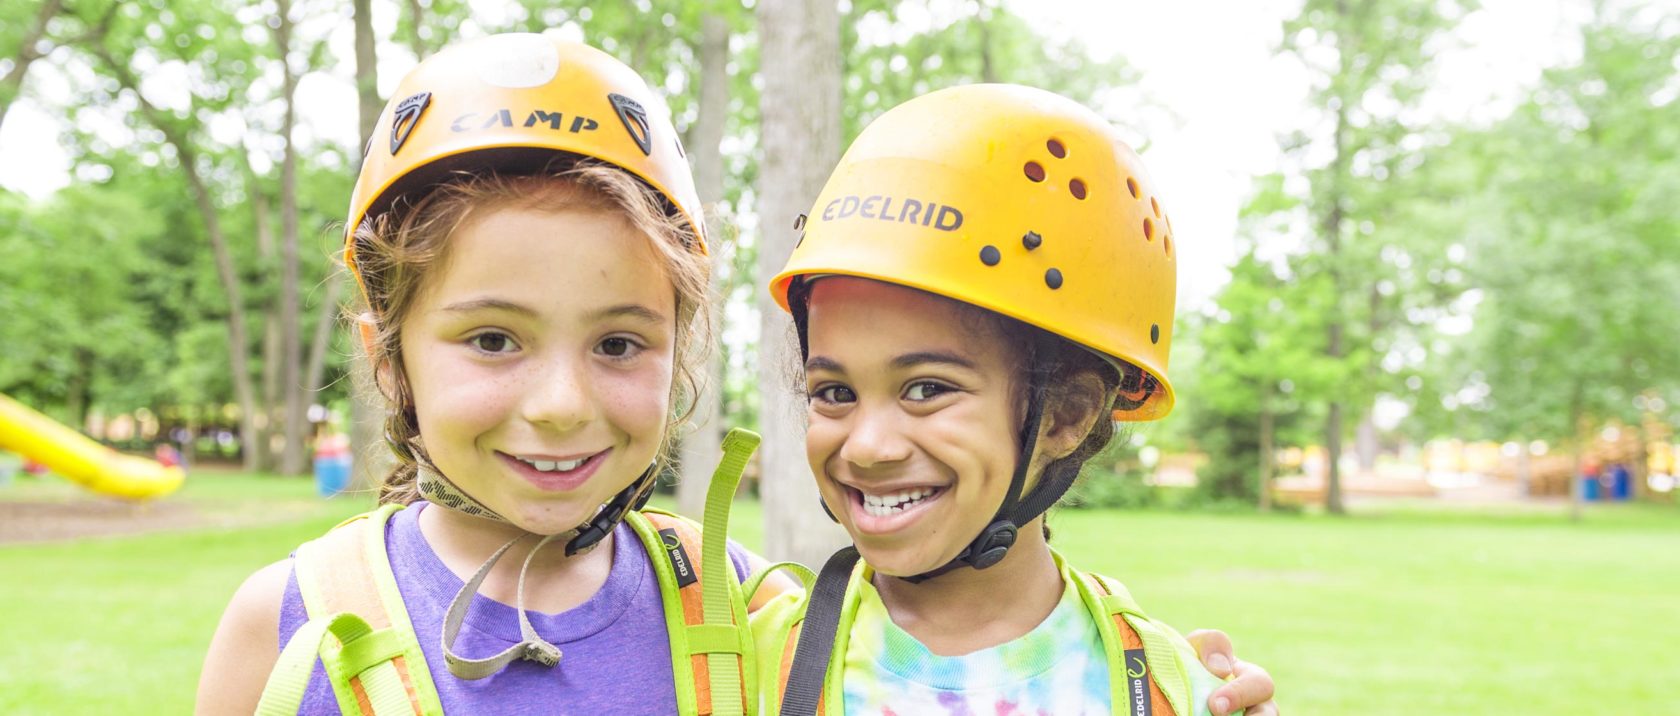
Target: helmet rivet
(1053,278)
(1154,333)
(990,256)
(1032,240)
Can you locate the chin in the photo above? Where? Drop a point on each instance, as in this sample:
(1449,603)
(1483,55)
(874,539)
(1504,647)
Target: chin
(898,562)
(547,518)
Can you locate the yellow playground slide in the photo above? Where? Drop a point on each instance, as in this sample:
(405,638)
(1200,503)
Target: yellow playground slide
(76,456)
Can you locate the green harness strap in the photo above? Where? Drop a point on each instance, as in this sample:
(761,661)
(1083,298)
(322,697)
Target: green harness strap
(1157,648)
(359,660)
(722,611)
(722,638)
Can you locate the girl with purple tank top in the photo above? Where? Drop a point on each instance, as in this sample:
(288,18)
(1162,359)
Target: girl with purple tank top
(537,303)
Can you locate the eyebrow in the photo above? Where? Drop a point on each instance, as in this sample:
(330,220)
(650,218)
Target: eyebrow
(632,310)
(908,360)
(489,304)
(914,359)
(629,310)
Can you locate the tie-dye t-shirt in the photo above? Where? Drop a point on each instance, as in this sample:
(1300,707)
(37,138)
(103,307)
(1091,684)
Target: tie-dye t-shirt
(1057,669)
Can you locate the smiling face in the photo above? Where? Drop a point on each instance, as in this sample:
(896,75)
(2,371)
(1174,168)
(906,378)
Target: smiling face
(539,357)
(913,420)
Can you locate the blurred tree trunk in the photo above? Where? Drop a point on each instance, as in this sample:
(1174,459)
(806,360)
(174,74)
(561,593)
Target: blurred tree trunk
(1267,436)
(800,138)
(370,460)
(1365,443)
(28,52)
(294,456)
(701,449)
(416,16)
(226,272)
(271,419)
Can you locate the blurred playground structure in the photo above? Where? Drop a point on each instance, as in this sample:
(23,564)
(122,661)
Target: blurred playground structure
(66,452)
(1620,463)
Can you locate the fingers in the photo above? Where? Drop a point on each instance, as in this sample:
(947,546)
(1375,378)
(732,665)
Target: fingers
(1214,648)
(1252,688)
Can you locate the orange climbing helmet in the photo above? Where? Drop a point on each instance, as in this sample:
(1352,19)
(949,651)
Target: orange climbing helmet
(1015,200)
(511,102)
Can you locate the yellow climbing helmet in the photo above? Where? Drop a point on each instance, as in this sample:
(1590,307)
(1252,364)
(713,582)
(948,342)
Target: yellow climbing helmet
(1016,200)
(510,102)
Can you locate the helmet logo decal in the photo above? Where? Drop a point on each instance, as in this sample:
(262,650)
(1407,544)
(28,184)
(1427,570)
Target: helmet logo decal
(635,121)
(504,118)
(941,217)
(406,117)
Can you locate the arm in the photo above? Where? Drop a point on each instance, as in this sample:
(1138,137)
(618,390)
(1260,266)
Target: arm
(245,646)
(1251,688)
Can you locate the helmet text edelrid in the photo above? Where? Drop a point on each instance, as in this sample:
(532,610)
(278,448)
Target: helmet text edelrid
(908,211)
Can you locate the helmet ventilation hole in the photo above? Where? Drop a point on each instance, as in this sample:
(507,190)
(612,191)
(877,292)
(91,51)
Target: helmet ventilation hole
(1148,230)
(1131,186)
(1154,333)
(1077,188)
(1166,241)
(1156,206)
(1034,171)
(1056,149)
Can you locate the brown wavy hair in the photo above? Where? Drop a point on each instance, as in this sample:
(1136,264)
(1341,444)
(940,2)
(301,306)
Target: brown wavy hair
(398,250)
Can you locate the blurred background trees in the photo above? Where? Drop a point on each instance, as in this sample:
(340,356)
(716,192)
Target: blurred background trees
(1513,280)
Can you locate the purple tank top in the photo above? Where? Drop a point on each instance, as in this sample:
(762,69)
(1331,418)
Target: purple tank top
(616,653)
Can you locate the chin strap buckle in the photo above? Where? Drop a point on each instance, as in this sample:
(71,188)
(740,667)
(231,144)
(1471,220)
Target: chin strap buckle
(993,543)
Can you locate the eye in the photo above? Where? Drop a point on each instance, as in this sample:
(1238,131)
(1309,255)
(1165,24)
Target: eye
(493,342)
(618,347)
(926,390)
(834,394)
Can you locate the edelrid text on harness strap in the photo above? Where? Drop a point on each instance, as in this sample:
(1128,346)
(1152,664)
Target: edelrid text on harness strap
(361,631)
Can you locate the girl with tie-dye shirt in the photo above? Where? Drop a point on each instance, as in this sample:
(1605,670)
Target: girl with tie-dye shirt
(984,290)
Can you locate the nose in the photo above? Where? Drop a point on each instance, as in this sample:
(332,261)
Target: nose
(876,438)
(557,394)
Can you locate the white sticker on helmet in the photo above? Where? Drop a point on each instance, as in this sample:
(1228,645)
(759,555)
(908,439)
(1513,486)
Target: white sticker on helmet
(518,61)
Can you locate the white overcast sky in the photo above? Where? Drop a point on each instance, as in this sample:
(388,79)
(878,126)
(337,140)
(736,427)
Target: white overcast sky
(1212,62)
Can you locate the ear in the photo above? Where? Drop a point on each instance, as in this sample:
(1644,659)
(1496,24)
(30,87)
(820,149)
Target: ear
(1068,420)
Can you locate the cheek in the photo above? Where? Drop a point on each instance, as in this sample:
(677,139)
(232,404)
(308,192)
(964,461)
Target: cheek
(455,395)
(637,399)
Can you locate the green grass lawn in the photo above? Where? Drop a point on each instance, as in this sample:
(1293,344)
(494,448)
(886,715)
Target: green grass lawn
(1406,612)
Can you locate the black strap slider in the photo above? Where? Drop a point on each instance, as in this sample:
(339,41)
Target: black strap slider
(993,543)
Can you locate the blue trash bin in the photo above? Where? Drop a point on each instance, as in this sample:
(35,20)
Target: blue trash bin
(1621,483)
(332,474)
(1589,488)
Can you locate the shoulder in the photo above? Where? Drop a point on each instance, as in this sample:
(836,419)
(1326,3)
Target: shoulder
(245,646)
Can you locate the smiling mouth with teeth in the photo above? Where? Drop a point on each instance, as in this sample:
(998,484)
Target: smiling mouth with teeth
(892,504)
(555,465)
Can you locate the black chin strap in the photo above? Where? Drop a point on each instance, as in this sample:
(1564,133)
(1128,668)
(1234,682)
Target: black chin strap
(634,497)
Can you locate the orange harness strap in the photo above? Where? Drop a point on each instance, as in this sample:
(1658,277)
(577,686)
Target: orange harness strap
(693,608)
